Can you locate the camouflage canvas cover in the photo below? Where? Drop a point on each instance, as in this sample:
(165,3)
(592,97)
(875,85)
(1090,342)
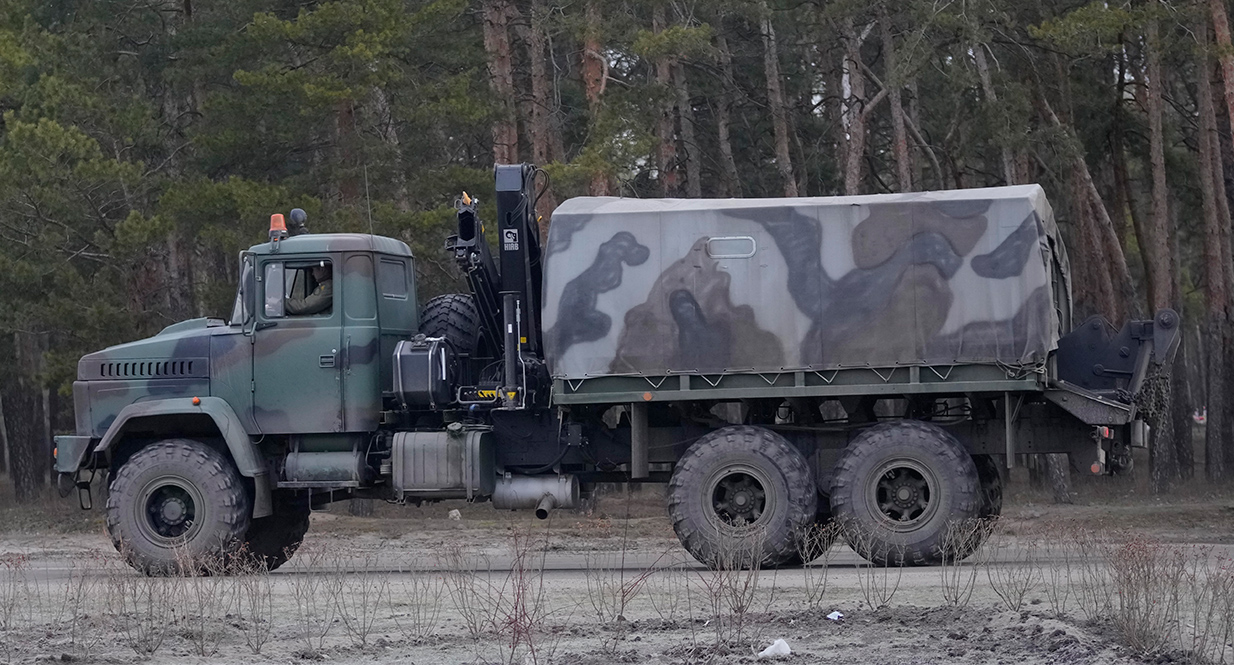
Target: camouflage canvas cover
(665,286)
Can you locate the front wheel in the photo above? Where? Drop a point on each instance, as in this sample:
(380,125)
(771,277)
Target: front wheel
(175,506)
(740,497)
(899,491)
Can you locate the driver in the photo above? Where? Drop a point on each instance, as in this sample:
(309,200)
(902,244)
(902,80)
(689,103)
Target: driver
(320,299)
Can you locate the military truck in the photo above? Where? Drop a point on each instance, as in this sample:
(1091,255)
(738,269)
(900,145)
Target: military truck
(876,360)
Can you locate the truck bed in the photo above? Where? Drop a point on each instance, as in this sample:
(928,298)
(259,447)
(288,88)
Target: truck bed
(937,292)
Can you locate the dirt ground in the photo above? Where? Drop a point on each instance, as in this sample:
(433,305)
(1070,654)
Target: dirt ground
(411,585)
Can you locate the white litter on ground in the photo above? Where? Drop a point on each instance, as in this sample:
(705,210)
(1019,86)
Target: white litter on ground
(777,649)
(454,515)
(835,616)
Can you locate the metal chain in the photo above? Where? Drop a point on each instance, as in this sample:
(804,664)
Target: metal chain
(1153,400)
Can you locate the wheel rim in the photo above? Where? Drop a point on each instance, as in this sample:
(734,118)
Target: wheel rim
(738,499)
(903,493)
(170,511)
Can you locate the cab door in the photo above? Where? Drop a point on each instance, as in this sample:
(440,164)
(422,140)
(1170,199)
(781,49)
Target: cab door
(297,360)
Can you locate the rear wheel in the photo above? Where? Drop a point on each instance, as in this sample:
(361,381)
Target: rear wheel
(178,505)
(898,489)
(271,540)
(741,496)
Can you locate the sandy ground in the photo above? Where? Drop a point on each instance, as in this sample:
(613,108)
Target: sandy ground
(411,586)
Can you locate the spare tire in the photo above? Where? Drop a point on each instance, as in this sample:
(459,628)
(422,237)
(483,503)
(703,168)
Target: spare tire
(454,317)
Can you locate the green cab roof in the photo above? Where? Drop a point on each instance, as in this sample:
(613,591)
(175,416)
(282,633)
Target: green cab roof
(311,243)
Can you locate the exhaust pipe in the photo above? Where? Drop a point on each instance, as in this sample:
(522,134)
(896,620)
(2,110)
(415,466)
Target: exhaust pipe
(546,504)
(542,493)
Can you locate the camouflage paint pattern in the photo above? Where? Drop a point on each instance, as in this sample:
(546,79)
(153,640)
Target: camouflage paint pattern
(280,375)
(663,286)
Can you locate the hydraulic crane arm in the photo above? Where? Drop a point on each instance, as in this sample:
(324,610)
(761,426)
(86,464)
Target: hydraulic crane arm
(505,288)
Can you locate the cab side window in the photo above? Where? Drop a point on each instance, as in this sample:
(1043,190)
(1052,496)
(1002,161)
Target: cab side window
(299,289)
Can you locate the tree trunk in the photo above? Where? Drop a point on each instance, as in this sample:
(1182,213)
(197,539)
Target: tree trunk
(899,136)
(689,143)
(360,507)
(733,180)
(1096,291)
(595,75)
(1216,286)
(388,130)
(1125,206)
(666,134)
(4,438)
(775,100)
(1058,471)
(1225,51)
(345,140)
(731,177)
(1157,262)
(496,18)
(28,460)
(1125,300)
(991,98)
(541,106)
(854,96)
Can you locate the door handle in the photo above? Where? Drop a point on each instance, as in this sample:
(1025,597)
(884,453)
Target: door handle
(326,361)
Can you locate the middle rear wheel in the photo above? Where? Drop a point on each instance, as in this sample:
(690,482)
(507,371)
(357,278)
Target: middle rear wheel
(898,490)
(741,496)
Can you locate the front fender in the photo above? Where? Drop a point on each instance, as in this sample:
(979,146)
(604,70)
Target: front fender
(244,453)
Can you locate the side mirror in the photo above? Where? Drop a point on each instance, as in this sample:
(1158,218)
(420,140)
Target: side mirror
(242,312)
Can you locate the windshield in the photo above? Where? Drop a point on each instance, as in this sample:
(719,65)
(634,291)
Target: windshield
(239,311)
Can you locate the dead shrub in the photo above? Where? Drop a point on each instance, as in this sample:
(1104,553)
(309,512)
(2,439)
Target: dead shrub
(512,608)
(415,599)
(1091,584)
(878,582)
(313,592)
(145,609)
(731,586)
(961,538)
(1207,613)
(1059,552)
(360,598)
(669,592)
(205,601)
(1147,578)
(254,593)
(1016,572)
(16,596)
(611,590)
(469,582)
(816,544)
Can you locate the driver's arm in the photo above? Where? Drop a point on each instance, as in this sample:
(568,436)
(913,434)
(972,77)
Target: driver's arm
(314,303)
